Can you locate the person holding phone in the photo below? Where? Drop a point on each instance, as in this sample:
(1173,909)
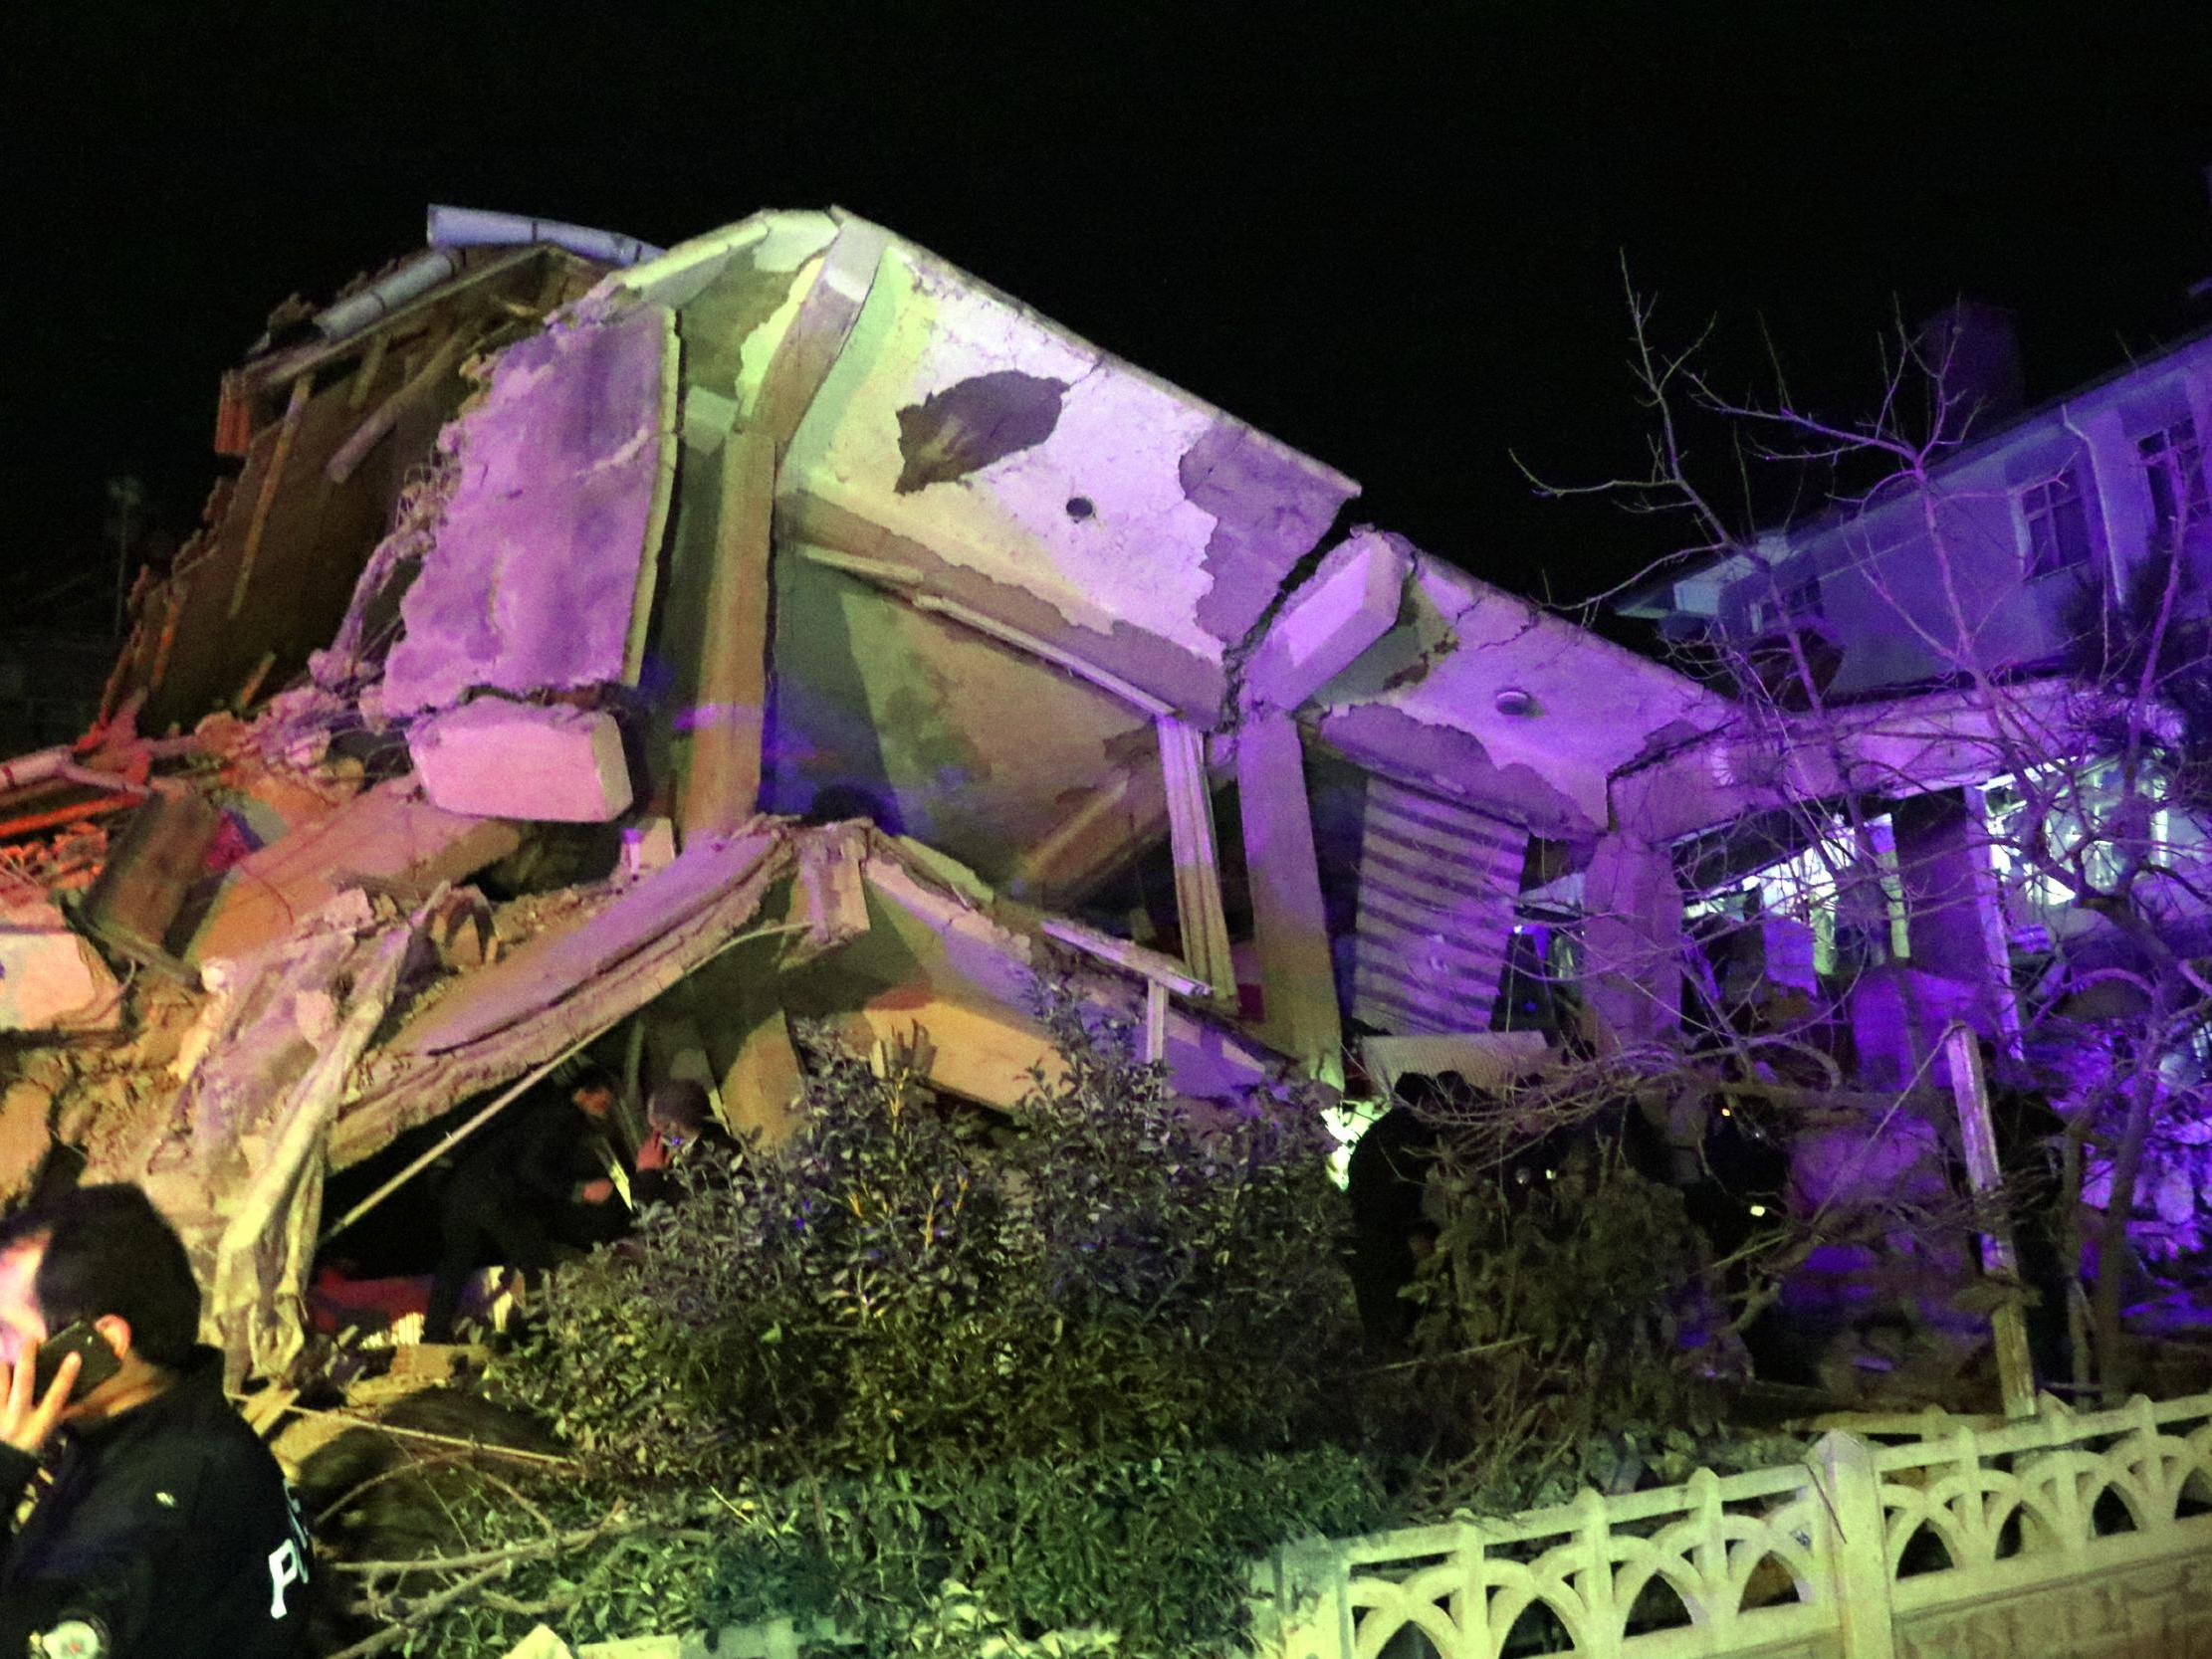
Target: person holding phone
(680,1134)
(165,1527)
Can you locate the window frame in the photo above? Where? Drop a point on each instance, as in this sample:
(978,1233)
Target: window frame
(2171,453)
(2044,503)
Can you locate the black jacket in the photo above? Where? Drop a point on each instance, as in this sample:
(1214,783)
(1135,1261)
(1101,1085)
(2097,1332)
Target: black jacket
(543,1150)
(168,1527)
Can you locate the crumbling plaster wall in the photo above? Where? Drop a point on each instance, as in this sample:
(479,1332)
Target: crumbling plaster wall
(955,739)
(1504,705)
(1050,485)
(565,468)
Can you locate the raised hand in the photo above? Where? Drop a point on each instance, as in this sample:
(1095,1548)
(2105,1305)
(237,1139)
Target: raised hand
(27,1423)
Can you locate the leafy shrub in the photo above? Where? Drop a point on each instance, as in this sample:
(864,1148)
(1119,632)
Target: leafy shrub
(1552,1333)
(1062,1365)
(1144,1558)
(1152,1549)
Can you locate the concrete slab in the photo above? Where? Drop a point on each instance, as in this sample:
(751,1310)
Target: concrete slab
(493,758)
(1036,466)
(1347,605)
(535,579)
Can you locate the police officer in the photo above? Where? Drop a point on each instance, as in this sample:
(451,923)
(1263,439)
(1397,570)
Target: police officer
(167,1529)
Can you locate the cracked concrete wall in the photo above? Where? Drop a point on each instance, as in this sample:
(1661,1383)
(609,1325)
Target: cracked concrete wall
(1047,484)
(1505,705)
(542,566)
(949,736)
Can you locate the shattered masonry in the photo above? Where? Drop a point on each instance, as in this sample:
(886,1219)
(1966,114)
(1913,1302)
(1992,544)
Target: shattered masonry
(785,627)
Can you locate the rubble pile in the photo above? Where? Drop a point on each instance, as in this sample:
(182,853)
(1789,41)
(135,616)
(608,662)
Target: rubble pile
(787,626)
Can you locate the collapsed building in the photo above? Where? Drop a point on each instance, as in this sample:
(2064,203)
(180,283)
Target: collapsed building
(784,626)
(602,644)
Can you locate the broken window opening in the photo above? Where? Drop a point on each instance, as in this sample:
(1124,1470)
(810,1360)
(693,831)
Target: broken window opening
(1830,909)
(1539,991)
(2173,467)
(2081,821)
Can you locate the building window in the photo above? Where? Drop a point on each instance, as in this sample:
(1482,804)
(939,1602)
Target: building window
(2173,466)
(2058,523)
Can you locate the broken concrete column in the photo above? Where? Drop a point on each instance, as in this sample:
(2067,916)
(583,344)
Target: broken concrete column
(1954,918)
(761,1090)
(1632,940)
(493,758)
(1297,979)
(1348,604)
(721,760)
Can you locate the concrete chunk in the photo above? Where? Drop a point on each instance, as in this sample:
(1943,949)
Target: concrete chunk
(540,572)
(50,980)
(389,838)
(142,886)
(497,759)
(1348,604)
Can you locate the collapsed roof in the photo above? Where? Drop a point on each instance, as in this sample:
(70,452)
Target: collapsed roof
(787,625)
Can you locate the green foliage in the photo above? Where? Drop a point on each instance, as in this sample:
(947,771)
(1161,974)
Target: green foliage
(1153,1549)
(1552,1327)
(894,1289)
(1138,1556)
(1058,1365)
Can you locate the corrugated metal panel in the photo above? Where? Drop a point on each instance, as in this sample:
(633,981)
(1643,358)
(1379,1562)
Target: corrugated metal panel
(1437,886)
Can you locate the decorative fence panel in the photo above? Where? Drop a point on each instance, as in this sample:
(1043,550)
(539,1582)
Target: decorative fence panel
(2064,1537)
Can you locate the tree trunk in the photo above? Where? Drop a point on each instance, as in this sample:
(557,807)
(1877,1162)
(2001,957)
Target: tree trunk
(2112,1246)
(2069,1253)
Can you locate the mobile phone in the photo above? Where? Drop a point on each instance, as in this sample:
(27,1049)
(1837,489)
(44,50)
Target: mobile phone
(96,1362)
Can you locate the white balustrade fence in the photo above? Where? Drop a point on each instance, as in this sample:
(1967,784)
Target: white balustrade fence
(2068,1535)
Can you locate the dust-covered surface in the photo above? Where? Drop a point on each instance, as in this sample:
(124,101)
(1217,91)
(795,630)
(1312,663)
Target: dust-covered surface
(1003,603)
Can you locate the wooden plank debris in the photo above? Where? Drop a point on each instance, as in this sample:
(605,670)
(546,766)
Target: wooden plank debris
(2016,1375)
(270,482)
(1197,871)
(1160,973)
(346,460)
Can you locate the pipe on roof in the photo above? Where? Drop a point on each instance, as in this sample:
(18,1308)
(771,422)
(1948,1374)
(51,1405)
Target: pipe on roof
(476,227)
(381,297)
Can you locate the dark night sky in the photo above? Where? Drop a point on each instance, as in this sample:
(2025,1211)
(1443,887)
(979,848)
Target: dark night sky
(1391,242)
